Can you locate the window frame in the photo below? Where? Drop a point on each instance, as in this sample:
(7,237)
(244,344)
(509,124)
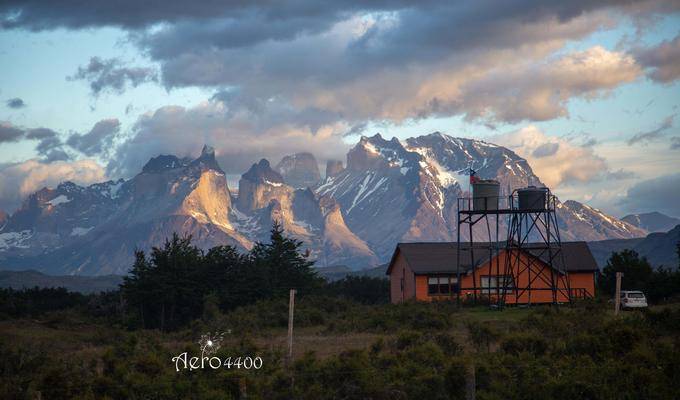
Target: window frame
(448,280)
(496,289)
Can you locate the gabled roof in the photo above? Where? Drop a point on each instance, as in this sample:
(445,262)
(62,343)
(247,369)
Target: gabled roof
(441,257)
(577,257)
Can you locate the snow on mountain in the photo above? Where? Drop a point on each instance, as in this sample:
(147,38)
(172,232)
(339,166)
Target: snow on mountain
(582,222)
(653,221)
(389,194)
(316,221)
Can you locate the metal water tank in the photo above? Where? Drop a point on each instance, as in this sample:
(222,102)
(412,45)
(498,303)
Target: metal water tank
(485,195)
(532,198)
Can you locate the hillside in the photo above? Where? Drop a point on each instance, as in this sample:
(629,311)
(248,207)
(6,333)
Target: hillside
(659,248)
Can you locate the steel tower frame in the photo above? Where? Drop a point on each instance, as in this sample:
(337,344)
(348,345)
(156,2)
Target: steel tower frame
(522,226)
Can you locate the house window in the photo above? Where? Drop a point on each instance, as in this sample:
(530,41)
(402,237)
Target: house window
(442,285)
(402,284)
(493,284)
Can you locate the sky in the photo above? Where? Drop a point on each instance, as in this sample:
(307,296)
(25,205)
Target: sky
(586,91)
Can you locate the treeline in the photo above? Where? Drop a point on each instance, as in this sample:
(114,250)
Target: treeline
(178,283)
(660,284)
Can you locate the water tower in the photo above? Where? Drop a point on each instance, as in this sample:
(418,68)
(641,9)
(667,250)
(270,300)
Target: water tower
(519,266)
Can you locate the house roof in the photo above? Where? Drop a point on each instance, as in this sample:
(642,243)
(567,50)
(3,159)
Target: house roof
(441,257)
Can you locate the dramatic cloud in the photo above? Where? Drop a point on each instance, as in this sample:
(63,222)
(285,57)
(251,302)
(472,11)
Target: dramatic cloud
(16,103)
(659,194)
(10,133)
(242,133)
(663,61)
(385,60)
(18,180)
(645,137)
(99,140)
(112,75)
(570,163)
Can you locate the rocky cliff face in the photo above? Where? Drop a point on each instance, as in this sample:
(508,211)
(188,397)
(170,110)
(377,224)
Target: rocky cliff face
(264,199)
(299,170)
(259,186)
(333,167)
(389,194)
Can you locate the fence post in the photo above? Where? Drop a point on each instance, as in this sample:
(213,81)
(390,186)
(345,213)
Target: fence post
(291,310)
(617,298)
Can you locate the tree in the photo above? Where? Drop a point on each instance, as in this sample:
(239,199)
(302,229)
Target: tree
(283,265)
(636,272)
(172,286)
(364,289)
(165,290)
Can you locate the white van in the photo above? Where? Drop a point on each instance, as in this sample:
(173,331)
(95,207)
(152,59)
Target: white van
(633,299)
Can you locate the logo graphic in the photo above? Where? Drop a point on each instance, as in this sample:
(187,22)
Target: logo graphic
(209,345)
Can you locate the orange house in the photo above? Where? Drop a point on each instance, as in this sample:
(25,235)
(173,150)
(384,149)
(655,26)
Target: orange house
(428,272)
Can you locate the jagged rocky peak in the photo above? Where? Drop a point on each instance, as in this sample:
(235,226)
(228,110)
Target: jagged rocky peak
(162,163)
(259,185)
(490,161)
(207,160)
(262,173)
(375,152)
(299,170)
(333,167)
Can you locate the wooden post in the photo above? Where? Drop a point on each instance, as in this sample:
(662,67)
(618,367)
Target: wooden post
(470,383)
(242,391)
(617,296)
(291,309)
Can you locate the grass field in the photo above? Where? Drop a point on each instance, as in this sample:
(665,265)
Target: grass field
(348,350)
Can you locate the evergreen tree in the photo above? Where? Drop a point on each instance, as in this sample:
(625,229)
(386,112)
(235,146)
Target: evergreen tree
(636,272)
(166,290)
(282,266)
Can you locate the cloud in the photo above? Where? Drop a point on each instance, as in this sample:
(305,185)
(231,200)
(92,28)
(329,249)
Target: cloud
(17,180)
(662,61)
(648,136)
(110,75)
(571,163)
(241,133)
(658,194)
(99,140)
(545,150)
(10,133)
(675,143)
(619,174)
(16,103)
(367,61)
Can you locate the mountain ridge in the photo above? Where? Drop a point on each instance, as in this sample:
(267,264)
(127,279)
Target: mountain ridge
(388,191)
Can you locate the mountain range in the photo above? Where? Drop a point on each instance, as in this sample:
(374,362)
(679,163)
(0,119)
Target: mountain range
(652,222)
(388,191)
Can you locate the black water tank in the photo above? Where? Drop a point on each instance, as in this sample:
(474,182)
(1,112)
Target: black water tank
(532,198)
(485,195)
